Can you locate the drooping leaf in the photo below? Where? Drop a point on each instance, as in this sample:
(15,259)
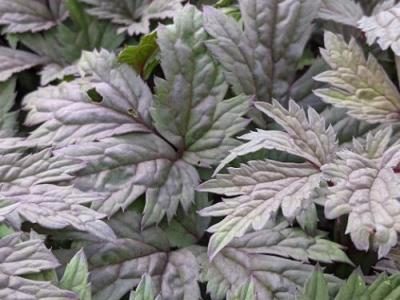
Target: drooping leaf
(24,256)
(261,60)
(383,28)
(365,188)
(133,16)
(359,85)
(14,61)
(31,15)
(76,275)
(118,266)
(341,11)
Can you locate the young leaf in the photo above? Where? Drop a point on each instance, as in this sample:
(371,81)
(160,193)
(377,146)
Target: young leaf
(354,289)
(316,287)
(365,187)
(76,275)
(261,60)
(359,85)
(19,257)
(133,16)
(142,57)
(144,291)
(31,15)
(383,28)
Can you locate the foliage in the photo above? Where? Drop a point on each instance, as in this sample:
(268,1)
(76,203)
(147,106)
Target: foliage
(184,150)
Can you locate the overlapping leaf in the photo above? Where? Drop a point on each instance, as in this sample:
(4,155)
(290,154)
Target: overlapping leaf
(133,16)
(8,119)
(144,291)
(26,192)
(366,188)
(359,85)
(249,258)
(31,15)
(118,266)
(25,256)
(261,60)
(126,156)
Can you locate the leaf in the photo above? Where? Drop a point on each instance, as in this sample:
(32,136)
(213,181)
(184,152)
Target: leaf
(31,15)
(26,190)
(365,188)
(200,126)
(383,28)
(133,16)
(19,257)
(142,57)
(262,59)
(305,137)
(261,189)
(385,287)
(354,289)
(71,116)
(76,275)
(274,277)
(359,85)
(14,61)
(246,292)
(8,119)
(316,287)
(144,291)
(118,266)
(341,11)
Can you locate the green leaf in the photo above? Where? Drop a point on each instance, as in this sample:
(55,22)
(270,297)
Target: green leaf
(359,85)
(316,287)
(142,57)
(144,290)
(246,292)
(8,120)
(354,289)
(76,275)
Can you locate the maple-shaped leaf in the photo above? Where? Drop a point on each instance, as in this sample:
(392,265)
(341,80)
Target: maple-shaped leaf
(262,59)
(262,258)
(383,28)
(133,16)
(118,266)
(20,256)
(365,188)
(306,135)
(360,85)
(132,143)
(31,15)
